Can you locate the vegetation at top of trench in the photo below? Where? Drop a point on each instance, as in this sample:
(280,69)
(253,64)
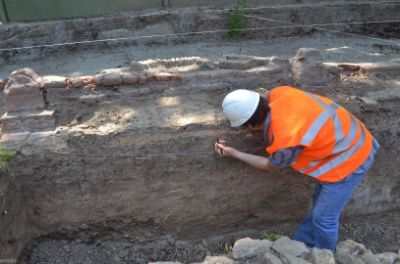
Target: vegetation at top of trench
(237,20)
(5,156)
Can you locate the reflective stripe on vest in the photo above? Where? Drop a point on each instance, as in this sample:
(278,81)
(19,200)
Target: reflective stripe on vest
(329,111)
(342,143)
(339,159)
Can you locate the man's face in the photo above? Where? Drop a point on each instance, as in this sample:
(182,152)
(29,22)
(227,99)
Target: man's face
(254,128)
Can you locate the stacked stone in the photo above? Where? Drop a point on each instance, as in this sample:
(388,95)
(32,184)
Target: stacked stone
(309,72)
(287,251)
(24,103)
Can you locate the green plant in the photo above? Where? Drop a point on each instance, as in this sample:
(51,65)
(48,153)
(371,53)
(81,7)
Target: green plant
(5,156)
(271,236)
(228,249)
(237,19)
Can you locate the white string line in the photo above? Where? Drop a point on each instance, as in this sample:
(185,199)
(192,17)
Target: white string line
(244,8)
(249,8)
(216,31)
(338,3)
(318,26)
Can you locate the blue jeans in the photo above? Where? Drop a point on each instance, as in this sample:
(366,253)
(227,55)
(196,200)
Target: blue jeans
(321,226)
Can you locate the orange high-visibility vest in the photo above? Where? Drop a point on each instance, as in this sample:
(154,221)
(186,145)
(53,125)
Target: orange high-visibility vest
(334,142)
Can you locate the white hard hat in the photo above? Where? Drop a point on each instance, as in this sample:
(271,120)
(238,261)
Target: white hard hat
(240,105)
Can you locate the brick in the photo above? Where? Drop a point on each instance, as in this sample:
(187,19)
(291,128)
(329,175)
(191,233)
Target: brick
(112,78)
(24,102)
(129,78)
(307,68)
(238,64)
(91,98)
(53,81)
(7,137)
(75,82)
(164,77)
(27,72)
(38,120)
(14,88)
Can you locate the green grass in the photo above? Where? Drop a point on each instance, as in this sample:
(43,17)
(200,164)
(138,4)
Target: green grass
(236,20)
(235,23)
(228,249)
(272,236)
(5,156)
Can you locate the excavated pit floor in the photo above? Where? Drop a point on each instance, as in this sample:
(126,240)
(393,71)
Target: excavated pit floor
(380,233)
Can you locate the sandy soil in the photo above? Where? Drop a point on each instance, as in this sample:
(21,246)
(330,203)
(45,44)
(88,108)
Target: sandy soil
(86,62)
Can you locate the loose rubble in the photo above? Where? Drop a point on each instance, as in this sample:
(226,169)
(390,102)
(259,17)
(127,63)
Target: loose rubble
(288,251)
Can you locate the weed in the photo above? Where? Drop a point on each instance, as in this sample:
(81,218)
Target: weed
(5,156)
(237,19)
(228,249)
(271,236)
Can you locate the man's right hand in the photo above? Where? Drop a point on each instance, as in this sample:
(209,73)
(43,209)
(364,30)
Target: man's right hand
(222,149)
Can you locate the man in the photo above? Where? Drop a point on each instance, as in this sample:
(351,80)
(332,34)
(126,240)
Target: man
(316,137)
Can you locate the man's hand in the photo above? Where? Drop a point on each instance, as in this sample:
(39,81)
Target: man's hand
(263,163)
(222,149)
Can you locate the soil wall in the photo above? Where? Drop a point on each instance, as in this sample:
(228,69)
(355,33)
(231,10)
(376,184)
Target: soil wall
(139,163)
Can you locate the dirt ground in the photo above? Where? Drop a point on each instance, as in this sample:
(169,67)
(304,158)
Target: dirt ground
(380,233)
(334,48)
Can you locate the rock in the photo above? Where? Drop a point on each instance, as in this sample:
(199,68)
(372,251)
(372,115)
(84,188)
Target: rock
(27,72)
(137,92)
(129,78)
(395,60)
(99,79)
(369,258)
(351,252)
(322,256)
(123,253)
(5,137)
(111,78)
(75,82)
(166,262)
(53,81)
(91,98)
(247,247)
(289,259)
(22,91)
(164,77)
(368,101)
(136,66)
(237,64)
(386,257)
(218,260)
(380,67)
(286,246)
(34,120)
(388,94)
(345,258)
(270,258)
(307,68)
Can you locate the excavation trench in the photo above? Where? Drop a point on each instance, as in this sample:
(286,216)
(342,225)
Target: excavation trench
(128,163)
